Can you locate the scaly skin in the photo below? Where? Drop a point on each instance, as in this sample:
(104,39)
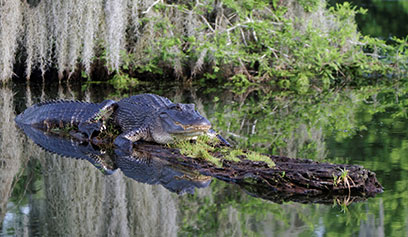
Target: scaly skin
(135,165)
(154,118)
(145,117)
(88,117)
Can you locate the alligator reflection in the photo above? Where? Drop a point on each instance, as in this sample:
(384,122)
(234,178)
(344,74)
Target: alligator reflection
(157,164)
(139,166)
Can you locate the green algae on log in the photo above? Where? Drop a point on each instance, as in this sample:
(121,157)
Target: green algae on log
(280,179)
(289,180)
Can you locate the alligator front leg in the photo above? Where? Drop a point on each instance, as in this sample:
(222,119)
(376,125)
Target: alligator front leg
(223,141)
(125,140)
(94,123)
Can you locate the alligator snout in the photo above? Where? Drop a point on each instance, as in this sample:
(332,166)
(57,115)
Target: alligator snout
(204,124)
(201,125)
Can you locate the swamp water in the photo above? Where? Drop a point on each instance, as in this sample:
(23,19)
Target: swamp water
(58,196)
(42,194)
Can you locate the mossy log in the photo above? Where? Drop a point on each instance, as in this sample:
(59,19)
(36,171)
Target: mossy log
(269,177)
(300,180)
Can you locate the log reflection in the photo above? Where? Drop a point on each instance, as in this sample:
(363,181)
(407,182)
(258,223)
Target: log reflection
(157,164)
(139,166)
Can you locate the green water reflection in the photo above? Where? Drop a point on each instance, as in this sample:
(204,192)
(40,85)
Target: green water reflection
(383,147)
(383,19)
(368,127)
(44,194)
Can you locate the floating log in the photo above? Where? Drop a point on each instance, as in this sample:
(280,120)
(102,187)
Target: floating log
(300,180)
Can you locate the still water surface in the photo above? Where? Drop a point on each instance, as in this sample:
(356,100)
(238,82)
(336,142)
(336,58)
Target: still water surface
(43,194)
(384,19)
(57,196)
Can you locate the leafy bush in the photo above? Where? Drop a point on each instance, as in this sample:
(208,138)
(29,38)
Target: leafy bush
(266,46)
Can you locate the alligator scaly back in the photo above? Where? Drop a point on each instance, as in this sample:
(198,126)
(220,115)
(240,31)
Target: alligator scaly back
(145,117)
(67,113)
(155,118)
(135,111)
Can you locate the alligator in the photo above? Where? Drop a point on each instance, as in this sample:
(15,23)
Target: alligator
(73,148)
(86,117)
(139,166)
(144,168)
(147,117)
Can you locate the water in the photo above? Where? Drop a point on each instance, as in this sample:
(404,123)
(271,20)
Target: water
(43,194)
(384,18)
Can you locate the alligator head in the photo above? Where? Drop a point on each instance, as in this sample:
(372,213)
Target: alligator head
(180,121)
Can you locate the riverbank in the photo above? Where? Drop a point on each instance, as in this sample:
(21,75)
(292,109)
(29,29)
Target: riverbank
(286,46)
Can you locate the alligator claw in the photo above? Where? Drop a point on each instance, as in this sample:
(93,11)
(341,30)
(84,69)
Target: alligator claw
(223,141)
(213,133)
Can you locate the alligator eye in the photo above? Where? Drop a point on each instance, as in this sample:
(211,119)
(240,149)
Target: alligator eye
(176,107)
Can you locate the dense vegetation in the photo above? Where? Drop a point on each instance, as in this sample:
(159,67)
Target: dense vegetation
(245,45)
(278,59)
(292,78)
(249,46)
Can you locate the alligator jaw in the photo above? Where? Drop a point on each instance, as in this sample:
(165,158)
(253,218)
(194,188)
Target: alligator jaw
(187,135)
(202,128)
(190,132)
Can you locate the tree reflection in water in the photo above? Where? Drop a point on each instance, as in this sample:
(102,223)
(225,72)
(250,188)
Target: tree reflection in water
(71,197)
(139,166)
(11,158)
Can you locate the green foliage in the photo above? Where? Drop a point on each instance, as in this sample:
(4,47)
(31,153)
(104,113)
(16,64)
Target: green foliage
(63,130)
(309,5)
(122,81)
(28,182)
(375,139)
(295,126)
(251,45)
(239,83)
(381,147)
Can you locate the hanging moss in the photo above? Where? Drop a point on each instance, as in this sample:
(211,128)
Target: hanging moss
(292,45)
